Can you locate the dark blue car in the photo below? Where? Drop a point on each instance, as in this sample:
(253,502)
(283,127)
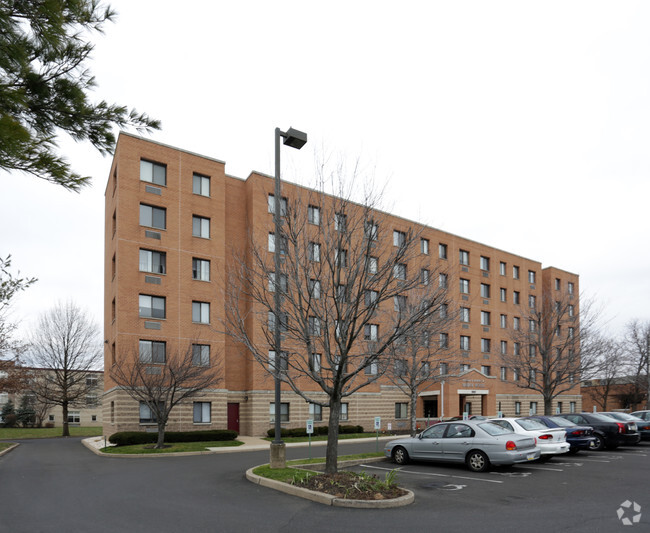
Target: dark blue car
(579,437)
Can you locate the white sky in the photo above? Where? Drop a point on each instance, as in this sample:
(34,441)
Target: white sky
(522,125)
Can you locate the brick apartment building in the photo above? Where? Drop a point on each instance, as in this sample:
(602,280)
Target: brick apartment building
(173,220)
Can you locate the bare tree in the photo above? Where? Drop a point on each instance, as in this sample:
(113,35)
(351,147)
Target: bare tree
(555,345)
(610,365)
(161,377)
(637,342)
(66,345)
(341,270)
(10,286)
(414,362)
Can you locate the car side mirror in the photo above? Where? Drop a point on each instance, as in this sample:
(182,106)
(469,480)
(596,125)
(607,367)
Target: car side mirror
(419,435)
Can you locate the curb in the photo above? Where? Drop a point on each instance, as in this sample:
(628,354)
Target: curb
(328,499)
(15,444)
(96,451)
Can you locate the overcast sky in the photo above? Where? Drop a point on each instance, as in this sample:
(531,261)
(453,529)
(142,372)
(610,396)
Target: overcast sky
(521,125)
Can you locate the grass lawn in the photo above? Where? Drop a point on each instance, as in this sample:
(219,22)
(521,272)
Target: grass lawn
(5,445)
(175,447)
(41,433)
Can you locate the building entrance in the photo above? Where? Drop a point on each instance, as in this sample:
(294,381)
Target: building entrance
(431,407)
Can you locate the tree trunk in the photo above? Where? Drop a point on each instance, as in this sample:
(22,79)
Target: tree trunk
(414,400)
(331,454)
(66,428)
(548,406)
(161,435)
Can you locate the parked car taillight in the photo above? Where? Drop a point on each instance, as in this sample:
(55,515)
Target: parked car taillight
(621,427)
(510,445)
(546,437)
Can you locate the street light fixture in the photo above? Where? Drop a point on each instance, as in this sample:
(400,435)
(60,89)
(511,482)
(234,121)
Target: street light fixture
(295,139)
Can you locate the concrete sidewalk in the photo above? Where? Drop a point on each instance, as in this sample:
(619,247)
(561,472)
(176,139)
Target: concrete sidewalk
(95,444)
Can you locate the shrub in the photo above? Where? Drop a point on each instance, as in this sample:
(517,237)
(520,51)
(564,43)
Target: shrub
(127,438)
(318,430)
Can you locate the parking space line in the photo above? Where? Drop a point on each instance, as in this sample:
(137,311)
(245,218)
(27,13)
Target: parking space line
(532,467)
(432,474)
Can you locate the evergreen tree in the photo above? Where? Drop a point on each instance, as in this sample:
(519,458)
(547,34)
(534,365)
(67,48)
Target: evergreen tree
(44,85)
(8,414)
(26,416)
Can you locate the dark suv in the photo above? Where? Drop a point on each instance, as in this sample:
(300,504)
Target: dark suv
(608,433)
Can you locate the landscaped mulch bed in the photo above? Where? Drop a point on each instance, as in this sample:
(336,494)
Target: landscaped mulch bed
(352,486)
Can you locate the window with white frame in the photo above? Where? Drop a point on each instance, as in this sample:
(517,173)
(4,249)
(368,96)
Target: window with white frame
(503,321)
(344,411)
(91,381)
(401,410)
(570,287)
(442,251)
(485,263)
(153,217)
(74,417)
(503,294)
(152,172)
(200,355)
(152,352)
(200,227)
(464,286)
(464,314)
(284,412)
(399,238)
(283,205)
(151,306)
(504,347)
(572,407)
(503,373)
(424,246)
(201,312)
(202,412)
(531,276)
(200,269)
(315,412)
(371,332)
(313,215)
(153,261)
(201,185)
(502,268)
(533,408)
(463,256)
(517,408)
(464,343)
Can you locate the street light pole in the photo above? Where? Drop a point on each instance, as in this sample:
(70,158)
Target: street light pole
(296,139)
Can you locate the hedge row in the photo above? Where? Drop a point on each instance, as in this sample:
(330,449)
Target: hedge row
(318,430)
(126,438)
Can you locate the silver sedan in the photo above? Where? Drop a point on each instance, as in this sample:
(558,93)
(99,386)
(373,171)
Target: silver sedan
(475,443)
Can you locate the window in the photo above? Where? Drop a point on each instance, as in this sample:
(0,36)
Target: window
(344,411)
(516,321)
(485,290)
(443,340)
(485,263)
(314,288)
(464,286)
(152,261)
(570,288)
(91,381)
(315,412)
(399,271)
(515,374)
(113,266)
(370,297)
(151,172)
(516,298)
(485,370)
(464,367)
(442,281)
(200,227)
(283,283)
(153,217)
(201,312)
(201,185)
(559,407)
(399,302)
(531,325)
(517,408)
(370,230)
(515,271)
(503,293)
(571,310)
(314,252)
(401,410)
(200,355)
(532,351)
(502,268)
(464,257)
(486,345)
(284,412)
(485,318)
(147,415)
(50,418)
(313,215)
(533,408)
(504,347)
(152,306)
(572,407)
(401,367)
(340,222)
(399,238)
(571,332)
(442,310)
(341,258)
(283,205)
(200,269)
(202,412)
(152,352)
(464,343)
(314,363)
(557,284)
(424,276)
(371,369)
(442,251)
(314,326)
(532,301)
(91,400)
(531,276)
(284,361)
(464,314)
(531,375)
(283,244)
(503,373)
(444,369)
(372,265)
(283,321)
(516,348)
(424,246)
(370,332)
(73,417)
(503,320)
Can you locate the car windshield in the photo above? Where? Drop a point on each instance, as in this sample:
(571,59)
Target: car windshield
(562,422)
(529,423)
(603,418)
(493,429)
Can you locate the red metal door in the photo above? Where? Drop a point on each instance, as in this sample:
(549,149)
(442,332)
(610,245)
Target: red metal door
(233,416)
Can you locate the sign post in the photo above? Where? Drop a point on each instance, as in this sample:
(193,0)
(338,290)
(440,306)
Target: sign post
(377,428)
(310,430)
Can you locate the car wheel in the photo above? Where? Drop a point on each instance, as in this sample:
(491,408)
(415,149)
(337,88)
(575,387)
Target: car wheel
(477,461)
(400,456)
(598,443)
